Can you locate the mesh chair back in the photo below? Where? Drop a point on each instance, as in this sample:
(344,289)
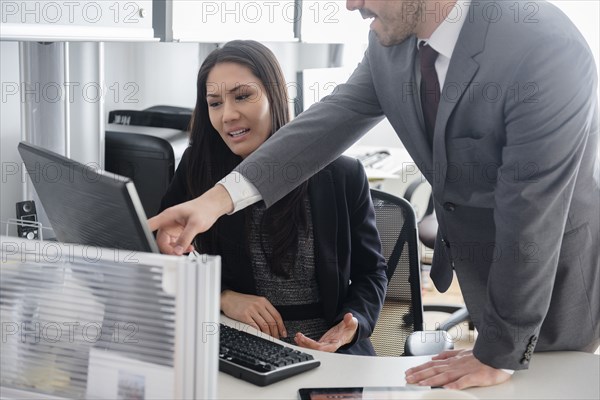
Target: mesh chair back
(402,311)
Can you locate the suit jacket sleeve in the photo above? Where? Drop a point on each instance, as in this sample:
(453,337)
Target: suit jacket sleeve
(547,128)
(315,138)
(368,269)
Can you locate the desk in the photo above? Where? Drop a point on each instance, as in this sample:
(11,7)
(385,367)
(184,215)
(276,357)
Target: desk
(558,375)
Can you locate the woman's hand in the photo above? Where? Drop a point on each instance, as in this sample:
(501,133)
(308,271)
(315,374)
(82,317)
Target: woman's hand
(341,334)
(178,226)
(255,311)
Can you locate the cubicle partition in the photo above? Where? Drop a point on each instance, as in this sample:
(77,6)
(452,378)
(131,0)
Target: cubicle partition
(87,322)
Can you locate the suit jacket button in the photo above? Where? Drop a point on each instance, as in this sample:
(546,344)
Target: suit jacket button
(449,206)
(533,339)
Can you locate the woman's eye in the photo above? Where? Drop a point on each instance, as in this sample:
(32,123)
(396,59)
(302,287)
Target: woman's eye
(214,104)
(242,97)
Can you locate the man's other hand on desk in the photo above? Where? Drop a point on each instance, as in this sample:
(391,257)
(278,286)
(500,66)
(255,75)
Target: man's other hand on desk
(178,226)
(341,334)
(456,369)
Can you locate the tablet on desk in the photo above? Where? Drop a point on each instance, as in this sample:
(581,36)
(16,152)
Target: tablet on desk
(381,393)
(363,393)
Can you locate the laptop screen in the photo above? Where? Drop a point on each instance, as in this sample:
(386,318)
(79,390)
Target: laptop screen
(86,205)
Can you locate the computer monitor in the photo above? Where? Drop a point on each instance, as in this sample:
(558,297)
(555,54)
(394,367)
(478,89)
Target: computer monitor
(86,205)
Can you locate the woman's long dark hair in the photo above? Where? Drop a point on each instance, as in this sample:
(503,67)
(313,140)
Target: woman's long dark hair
(211,160)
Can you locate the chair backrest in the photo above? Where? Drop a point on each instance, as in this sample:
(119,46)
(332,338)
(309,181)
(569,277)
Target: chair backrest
(402,312)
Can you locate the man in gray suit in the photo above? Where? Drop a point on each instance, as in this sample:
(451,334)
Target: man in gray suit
(510,147)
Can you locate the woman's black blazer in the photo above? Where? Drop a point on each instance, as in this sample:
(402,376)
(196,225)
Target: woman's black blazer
(351,272)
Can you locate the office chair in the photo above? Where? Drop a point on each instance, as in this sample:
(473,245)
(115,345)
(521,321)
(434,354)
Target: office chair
(427,228)
(400,323)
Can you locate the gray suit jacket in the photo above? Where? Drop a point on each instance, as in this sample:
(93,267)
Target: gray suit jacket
(514,170)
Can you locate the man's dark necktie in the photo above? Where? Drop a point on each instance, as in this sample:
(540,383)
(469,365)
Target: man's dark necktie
(430,88)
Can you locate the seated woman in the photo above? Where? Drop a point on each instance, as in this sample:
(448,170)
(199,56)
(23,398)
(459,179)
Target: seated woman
(309,269)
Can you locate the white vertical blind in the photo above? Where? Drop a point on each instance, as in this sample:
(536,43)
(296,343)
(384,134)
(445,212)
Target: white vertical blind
(585,14)
(330,22)
(221,21)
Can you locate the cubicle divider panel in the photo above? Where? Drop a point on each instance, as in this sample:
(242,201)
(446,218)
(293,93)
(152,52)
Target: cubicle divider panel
(81,321)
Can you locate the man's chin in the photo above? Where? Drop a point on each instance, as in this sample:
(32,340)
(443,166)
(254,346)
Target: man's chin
(389,41)
(386,41)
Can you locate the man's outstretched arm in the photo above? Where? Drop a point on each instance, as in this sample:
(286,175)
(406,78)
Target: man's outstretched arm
(183,222)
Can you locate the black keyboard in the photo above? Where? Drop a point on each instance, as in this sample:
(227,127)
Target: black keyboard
(258,360)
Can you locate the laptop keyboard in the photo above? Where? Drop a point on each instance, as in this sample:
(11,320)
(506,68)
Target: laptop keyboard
(259,360)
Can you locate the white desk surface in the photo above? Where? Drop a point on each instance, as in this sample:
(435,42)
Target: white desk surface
(557,375)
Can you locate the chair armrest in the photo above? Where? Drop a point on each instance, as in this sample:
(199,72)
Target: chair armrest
(459,314)
(410,192)
(425,343)
(445,308)
(428,227)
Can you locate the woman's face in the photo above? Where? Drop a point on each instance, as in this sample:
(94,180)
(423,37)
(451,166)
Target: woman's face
(238,107)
